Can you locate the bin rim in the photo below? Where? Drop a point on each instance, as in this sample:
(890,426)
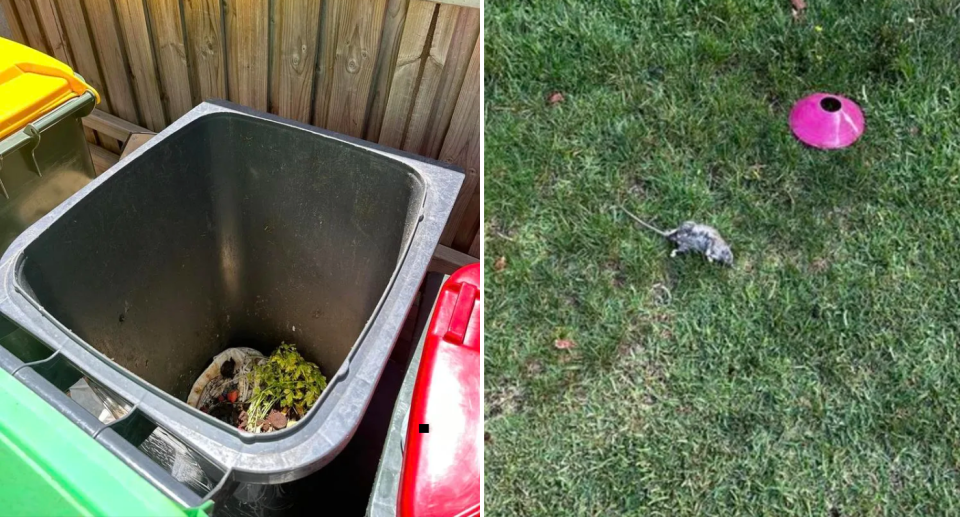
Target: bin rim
(319,437)
(85,103)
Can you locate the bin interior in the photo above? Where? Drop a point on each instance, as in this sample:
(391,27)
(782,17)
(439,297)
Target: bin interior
(229,232)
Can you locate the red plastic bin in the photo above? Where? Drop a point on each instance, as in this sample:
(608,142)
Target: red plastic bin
(442,463)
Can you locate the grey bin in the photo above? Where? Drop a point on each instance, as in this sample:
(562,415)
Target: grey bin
(233,228)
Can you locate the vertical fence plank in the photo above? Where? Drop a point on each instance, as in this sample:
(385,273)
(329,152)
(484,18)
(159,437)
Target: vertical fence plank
(204,22)
(84,56)
(430,78)
(103,27)
(172,56)
(50,23)
(13,21)
(458,215)
(247,52)
(462,143)
(353,29)
(296,29)
(59,45)
(325,59)
(469,225)
(406,73)
(31,26)
(459,57)
(85,63)
(393,25)
(475,247)
(143,68)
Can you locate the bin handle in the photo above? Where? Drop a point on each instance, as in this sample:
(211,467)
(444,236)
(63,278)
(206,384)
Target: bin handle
(31,146)
(3,188)
(77,85)
(29,141)
(28,137)
(223,490)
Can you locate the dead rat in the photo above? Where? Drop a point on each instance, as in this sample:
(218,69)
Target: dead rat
(696,237)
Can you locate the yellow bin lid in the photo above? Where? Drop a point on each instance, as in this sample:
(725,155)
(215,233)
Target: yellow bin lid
(33,84)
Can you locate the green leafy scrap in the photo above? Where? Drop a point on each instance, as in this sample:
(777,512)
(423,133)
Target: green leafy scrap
(285,382)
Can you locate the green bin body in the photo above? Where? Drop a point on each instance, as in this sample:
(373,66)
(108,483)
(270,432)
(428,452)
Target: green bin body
(50,467)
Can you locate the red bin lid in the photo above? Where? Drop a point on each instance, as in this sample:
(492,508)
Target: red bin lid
(443,456)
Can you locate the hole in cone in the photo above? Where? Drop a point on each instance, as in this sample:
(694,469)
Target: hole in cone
(831,104)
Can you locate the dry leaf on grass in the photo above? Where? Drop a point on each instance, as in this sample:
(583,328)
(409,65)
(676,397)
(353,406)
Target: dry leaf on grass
(564,344)
(798,7)
(500,264)
(555,97)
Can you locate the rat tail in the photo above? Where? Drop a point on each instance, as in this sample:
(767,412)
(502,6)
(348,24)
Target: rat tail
(641,221)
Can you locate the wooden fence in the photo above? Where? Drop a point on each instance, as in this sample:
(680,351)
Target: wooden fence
(404,73)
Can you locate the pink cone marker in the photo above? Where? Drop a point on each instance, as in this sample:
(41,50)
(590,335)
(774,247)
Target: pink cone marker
(826,121)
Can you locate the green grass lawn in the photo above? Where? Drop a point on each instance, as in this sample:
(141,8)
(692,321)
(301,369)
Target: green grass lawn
(821,374)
